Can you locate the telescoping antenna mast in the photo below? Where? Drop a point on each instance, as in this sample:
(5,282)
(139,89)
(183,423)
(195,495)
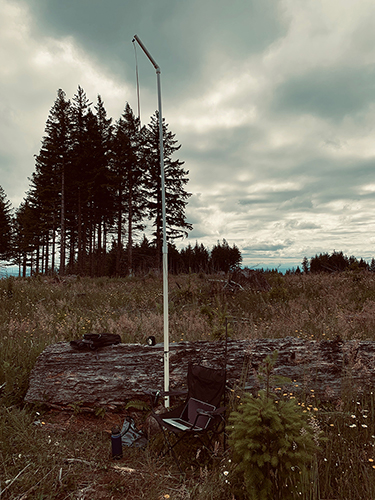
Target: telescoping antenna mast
(165,246)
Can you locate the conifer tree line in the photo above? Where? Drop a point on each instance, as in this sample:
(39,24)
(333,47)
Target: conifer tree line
(96,185)
(335,262)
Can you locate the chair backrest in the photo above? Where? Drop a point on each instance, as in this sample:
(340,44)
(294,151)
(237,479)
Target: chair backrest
(206,384)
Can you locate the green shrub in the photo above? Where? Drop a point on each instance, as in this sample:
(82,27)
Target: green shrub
(272,443)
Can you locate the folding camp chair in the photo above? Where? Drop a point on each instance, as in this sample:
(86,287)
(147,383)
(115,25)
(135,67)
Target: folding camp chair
(201,415)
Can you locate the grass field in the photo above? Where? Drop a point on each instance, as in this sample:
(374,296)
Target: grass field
(68,457)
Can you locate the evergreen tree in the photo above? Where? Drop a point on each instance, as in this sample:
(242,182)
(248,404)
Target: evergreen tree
(26,236)
(272,441)
(336,262)
(201,257)
(39,233)
(48,186)
(6,224)
(320,263)
(195,259)
(305,265)
(79,180)
(129,173)
(362,264)
(102,189)
(175,181)
(174,259)
(187,257)
(43,198)
(144,256)
(92,203)
(225,258)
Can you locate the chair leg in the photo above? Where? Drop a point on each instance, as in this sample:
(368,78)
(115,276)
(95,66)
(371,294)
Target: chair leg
(170,448)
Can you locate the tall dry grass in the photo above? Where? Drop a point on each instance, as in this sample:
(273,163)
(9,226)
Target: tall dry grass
(35,312)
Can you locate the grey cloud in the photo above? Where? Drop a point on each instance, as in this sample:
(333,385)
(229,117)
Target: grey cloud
(178,34)
(301,203)
(266,246)
(331,93)
(269,197)
(341,180)
(334,144)
(301,225)
(198,233)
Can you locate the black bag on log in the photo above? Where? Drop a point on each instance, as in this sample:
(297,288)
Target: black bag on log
(96,340)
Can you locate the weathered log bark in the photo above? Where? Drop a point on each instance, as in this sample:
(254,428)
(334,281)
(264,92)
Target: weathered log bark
(113,375)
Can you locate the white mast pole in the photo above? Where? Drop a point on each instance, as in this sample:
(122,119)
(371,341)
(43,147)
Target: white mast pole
(165,246)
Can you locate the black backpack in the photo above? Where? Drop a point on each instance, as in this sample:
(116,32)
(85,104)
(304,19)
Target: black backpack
(131,436)
(96,340)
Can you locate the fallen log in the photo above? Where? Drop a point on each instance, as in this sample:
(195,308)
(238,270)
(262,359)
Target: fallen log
(113,375)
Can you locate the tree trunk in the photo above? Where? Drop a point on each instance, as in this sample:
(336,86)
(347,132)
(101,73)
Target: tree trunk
(62,235)
(113,375)
(53,245)
(80,242)
(37,258)
(46,258)
(130,234)
(119,233)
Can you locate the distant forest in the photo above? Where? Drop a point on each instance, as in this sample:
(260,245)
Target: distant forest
(334,262)
(96,183)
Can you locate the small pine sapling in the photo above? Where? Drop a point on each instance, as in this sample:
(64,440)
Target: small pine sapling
(272,443)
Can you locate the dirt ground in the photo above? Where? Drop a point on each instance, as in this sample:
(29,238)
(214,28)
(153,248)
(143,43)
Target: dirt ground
(88,459)
(67,420)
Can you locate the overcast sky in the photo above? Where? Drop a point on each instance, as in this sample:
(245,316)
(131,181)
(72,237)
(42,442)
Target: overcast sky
(273,102)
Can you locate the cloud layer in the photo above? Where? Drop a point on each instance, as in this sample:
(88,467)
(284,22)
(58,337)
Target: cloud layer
(272,101)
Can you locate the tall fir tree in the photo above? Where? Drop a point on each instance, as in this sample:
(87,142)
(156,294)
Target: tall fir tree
(79,181)
(129,173)
(176,197)
(26,236)
(53,165)
(135,178)
(6,224)
(95,199)
(102,189)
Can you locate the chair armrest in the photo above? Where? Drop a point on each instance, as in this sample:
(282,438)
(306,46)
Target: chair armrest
(156,394)
(208,413)
(211,413)
(152,392)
